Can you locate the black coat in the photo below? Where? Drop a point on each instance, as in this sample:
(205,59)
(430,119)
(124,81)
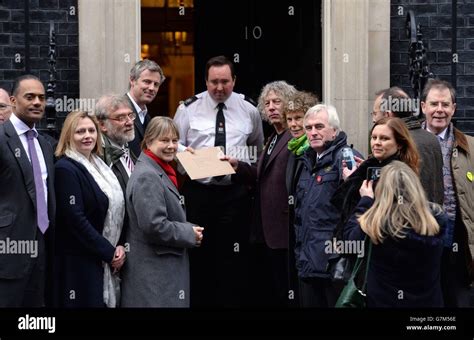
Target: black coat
(347,196)
(80,246)
(402,272)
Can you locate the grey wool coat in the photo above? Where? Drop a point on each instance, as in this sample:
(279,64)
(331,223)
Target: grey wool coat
(156,269)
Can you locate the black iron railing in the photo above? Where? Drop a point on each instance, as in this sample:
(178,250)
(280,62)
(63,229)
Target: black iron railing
(419,70)
(51,87)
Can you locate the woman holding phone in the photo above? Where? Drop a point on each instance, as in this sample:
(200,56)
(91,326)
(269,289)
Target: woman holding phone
(390,140)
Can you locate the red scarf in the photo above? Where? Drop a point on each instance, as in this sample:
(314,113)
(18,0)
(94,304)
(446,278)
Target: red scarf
(165,166)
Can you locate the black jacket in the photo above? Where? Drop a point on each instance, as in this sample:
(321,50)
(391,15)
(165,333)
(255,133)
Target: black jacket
(347,196)
(80,247)
(403,272)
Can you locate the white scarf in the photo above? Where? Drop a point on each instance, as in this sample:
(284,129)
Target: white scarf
(109,184)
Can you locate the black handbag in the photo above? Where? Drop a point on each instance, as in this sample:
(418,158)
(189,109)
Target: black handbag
(351,296)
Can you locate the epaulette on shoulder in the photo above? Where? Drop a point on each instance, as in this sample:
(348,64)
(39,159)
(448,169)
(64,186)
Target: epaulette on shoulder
(250,100)
(190,100)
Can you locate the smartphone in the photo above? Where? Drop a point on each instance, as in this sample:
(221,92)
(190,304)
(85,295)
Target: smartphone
(373,173)
(348,156)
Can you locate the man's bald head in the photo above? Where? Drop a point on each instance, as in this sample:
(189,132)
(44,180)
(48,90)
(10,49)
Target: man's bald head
(5,106)
(397,103)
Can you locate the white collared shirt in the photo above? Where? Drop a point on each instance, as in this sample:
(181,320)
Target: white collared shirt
(21,128)
(197,125)
(441,135)
(141,113)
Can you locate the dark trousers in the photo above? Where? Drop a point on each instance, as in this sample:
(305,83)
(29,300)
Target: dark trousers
(269,277)
(454,276)
(456,291)
(27,291)
(292,272)
(318,292)
(219,267)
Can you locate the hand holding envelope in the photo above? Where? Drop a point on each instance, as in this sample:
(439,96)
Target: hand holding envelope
(206,162)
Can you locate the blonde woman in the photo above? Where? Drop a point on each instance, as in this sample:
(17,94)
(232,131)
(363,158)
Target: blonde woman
(157,270)
(406,234)
(89,218)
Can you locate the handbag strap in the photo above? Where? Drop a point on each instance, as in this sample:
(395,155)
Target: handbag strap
(359,262)
(357,266)
(369,254)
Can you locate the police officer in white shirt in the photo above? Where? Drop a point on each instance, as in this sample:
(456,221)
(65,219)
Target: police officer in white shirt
(219,117)
(145,80)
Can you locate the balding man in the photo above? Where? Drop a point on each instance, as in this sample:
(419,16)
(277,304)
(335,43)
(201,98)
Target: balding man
(394,102)
(5,106)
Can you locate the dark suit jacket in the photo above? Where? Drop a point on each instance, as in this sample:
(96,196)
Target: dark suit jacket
(18,200)
(431,165)
(431,160)
(293,171)
(80,246)
(139,131)
(271,192)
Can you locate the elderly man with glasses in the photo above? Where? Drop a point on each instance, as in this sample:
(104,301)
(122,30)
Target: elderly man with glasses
(116,118)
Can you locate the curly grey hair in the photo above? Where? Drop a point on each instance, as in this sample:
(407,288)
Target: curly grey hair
(281,88)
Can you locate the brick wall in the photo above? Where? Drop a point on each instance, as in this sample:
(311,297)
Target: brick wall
(435,18)
(64,14)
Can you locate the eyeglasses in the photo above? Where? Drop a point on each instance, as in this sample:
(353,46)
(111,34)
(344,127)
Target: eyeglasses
(123,118)
(3,107)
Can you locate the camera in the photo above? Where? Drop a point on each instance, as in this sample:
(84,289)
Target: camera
(348,156)
(373,173)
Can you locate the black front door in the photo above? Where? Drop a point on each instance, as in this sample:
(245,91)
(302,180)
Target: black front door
(267,40)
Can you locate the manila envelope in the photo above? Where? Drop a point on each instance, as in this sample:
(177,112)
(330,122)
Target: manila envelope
(204,163)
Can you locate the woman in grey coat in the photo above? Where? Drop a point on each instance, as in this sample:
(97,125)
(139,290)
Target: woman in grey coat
(156,272)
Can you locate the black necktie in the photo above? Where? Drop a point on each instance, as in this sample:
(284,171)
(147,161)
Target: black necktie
(146,121)
(220,127)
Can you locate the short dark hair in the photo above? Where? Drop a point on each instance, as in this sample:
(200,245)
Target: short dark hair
(219,61)
(18,80)
(398,102)
(439,85)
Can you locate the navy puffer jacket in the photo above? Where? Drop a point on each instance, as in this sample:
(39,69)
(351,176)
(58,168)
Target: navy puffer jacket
(315,216)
